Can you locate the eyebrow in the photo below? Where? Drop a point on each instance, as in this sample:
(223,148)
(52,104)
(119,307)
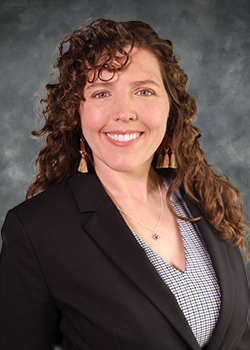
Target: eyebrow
(98,84)
(109,84)
(145,82)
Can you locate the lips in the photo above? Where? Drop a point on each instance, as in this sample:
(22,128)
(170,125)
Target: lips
(123,137)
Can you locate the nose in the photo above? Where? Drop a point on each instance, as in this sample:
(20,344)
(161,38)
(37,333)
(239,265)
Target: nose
(125,109)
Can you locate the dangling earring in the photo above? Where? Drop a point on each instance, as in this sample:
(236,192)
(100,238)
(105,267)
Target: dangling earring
(166,157)
(83,168)
(173,164)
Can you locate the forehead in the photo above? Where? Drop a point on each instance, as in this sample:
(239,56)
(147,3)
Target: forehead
(141,63)
(144,60)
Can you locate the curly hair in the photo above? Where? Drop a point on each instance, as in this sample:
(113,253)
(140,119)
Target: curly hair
(94,47)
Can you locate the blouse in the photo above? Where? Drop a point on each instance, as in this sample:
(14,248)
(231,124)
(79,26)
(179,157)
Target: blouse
(196,289)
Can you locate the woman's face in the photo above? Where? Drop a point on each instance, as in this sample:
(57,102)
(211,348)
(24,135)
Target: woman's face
(124,120)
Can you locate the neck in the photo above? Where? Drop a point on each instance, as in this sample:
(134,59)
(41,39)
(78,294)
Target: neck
(136,185)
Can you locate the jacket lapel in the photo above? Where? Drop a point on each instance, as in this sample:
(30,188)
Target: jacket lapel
(107,227)
(217,250)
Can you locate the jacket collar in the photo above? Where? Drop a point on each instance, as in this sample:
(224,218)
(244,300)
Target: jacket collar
(88,191)
(107,227)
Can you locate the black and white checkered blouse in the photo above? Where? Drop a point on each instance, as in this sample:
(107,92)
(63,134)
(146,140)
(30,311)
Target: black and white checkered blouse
(196,290)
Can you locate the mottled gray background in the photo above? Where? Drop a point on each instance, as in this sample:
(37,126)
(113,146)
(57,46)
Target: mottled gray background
(211,37)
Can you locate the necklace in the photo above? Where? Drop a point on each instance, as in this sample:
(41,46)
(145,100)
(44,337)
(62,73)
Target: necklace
(156,235)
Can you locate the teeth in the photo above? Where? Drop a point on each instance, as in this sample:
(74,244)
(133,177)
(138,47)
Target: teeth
(123,137)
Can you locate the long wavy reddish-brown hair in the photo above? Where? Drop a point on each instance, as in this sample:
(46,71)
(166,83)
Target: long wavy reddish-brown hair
(82,57)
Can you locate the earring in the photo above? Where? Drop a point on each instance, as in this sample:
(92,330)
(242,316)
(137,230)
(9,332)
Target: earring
(83,168)
(166,158)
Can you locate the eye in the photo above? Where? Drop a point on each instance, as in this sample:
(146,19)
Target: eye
(100,94)
(145,92)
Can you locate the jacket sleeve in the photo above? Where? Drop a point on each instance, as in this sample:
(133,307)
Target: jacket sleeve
(28,316)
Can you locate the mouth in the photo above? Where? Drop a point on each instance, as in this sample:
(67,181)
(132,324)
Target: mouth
(124,137)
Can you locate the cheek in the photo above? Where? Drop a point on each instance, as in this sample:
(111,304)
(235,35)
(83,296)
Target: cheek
(89,117)
(158,116)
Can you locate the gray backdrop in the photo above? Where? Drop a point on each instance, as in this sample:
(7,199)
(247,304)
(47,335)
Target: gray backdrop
(212,37)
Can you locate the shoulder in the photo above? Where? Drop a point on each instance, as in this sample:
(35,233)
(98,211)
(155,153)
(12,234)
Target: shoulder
(47,201)
(57,196)
(56,206)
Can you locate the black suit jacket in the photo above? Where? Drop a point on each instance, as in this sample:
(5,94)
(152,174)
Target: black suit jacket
(72,273)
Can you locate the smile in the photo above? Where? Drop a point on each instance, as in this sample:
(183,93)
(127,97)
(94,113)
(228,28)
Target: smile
(124,137)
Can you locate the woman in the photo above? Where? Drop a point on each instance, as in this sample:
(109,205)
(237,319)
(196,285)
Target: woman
(139,248)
